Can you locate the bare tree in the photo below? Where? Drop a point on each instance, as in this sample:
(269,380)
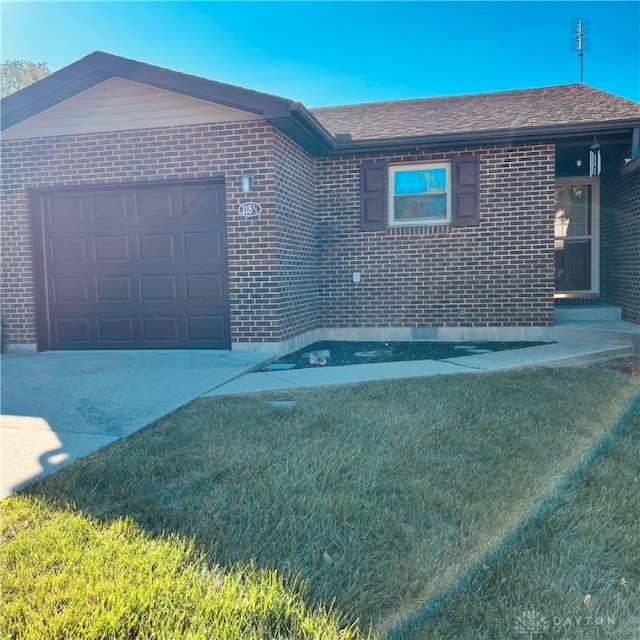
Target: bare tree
(17,74)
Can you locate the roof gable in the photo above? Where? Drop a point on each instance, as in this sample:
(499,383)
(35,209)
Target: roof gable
(290,117)
(117,104)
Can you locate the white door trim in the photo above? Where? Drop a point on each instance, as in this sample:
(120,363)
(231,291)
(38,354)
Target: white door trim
(594,183)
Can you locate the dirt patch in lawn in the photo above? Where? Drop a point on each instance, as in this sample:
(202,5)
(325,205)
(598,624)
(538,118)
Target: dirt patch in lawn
(629,365)
(341,353)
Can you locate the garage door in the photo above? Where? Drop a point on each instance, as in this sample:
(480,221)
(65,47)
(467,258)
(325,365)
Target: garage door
(134,267)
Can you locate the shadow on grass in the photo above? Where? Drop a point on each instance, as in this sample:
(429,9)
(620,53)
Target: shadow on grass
(381,496)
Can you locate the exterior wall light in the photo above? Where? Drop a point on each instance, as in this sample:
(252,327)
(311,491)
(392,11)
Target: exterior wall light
(247,182)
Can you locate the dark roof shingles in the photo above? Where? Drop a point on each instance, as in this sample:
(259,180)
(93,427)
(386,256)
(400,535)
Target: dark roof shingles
(559,105)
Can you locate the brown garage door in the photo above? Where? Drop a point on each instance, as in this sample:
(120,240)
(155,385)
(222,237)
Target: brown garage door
(132,267)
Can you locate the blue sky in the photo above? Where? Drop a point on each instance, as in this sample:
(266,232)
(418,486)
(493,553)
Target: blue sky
(327,53)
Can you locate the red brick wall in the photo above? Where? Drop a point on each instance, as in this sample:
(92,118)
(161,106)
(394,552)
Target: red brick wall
(297,244)
(188,152)
(497,274)
(16,274)
(620,228)
(291,267)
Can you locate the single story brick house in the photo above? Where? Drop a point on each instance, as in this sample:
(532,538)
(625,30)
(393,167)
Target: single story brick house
(145,208)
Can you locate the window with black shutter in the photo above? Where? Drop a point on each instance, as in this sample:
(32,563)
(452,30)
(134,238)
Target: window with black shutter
(444,193)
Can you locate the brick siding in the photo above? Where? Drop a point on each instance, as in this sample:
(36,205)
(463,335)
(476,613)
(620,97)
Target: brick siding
(183,153)
(497,274)
(290,268)
(297,244)
(620,228)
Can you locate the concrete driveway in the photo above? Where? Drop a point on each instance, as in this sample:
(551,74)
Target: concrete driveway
(61,405)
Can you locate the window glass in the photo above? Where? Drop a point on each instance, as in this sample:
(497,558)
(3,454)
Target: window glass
(419,194)
(573,216)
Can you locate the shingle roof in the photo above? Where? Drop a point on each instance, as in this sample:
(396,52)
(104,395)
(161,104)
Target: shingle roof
(571,104)
(549,112)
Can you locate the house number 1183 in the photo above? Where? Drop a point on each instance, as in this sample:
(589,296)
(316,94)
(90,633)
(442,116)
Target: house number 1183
(249,209)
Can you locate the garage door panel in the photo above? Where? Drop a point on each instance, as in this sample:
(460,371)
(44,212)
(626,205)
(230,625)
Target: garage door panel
(208,328)
(160,329)
(152,206)
(156,246)
(135,268)
(110,208)
(66,209)
(70,290)
(73,332)
(111,248)
(204,244)
(158,287)
(114,289)
(204,286)
(116,330)
(200,201)
(68,250)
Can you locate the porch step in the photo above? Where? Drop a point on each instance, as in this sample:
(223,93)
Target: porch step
(587,313)
(613,332)
(580,352)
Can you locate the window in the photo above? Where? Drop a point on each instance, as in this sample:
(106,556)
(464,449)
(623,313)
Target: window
(419,194)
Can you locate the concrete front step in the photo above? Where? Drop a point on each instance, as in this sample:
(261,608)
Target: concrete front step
(619,332)
(591,354)
(587,313)
(557,354)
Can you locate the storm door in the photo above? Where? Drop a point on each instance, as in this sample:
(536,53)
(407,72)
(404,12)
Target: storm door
(577,237)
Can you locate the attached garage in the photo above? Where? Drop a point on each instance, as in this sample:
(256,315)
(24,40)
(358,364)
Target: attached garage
(131,267)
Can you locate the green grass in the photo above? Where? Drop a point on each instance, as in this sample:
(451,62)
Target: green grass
(64,575)
(379,496)
(588,546)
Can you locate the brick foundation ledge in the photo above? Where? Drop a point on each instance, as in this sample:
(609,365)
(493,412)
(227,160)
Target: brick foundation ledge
(399,334)
(11,348)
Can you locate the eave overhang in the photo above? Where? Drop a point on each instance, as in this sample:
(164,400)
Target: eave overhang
(302,127)
(464,139)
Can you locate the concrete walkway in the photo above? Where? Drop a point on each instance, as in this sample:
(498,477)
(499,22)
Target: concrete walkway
(59,406)
(552,355)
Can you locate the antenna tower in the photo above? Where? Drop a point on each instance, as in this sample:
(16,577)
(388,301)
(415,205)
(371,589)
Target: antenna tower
(580,40)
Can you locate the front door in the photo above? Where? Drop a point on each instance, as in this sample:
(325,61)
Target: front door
(577,237)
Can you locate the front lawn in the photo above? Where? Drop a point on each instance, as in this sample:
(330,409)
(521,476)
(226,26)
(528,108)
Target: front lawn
(576,573)
(66,576)
(380,496)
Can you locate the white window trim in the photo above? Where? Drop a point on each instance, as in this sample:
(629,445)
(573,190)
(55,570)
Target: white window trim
(396,168)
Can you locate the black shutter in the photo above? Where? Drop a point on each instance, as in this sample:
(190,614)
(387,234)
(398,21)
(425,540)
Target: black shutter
(465,209)
(373,196)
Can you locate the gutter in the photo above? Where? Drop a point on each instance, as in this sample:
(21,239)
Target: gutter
(463,139)
(303,127)
(307,120)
